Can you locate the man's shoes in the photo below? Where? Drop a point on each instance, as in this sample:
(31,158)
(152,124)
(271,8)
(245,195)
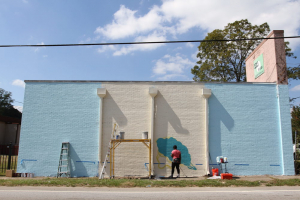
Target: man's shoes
(171,176)
(178,176)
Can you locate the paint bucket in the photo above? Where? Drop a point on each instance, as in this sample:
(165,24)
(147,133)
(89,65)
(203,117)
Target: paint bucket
(215,171)
(122,135)
(221,160)
(225,159)
(145,135)
(117,137)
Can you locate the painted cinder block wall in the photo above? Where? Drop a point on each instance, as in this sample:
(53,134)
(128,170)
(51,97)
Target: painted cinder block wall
(250,124)
(56,112)
(244,125)
(179,113)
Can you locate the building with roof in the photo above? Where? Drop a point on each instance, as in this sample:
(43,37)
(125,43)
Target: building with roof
(249,123)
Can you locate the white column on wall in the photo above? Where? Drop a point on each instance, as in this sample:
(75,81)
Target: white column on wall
(280,129)
(101,92)
(206,93)
(152,93)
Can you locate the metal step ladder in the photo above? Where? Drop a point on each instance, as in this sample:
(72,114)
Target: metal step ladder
(64,161)
(113,134)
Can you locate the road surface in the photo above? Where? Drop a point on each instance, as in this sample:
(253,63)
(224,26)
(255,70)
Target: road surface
(257,193)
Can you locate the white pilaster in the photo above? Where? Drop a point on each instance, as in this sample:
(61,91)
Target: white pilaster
(206,93)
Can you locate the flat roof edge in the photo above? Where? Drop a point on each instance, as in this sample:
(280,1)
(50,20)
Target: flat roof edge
(95,81)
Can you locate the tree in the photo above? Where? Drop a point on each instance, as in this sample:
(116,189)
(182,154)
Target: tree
(294,72)
(225,61)
(296,122)
(6,107)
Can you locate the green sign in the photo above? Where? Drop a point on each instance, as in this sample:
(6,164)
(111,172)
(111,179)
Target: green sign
(259,66)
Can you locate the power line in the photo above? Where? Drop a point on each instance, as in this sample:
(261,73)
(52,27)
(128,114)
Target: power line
(157,42)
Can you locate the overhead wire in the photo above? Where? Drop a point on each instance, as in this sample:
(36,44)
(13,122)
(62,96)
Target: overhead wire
(155,42)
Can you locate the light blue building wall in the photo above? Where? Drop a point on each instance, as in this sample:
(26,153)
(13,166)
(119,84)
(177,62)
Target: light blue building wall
(248,123)
(56,112)
(285,125)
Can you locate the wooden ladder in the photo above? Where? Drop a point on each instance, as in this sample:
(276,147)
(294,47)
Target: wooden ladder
(113,134)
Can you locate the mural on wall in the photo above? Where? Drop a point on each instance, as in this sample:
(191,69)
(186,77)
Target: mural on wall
(165,147)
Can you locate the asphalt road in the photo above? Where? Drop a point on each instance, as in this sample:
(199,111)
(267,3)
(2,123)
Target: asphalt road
(32,193)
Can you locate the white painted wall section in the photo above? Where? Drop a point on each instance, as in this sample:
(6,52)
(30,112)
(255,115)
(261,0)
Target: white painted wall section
(101,92)
(206,94)
(152,93)
(170,112)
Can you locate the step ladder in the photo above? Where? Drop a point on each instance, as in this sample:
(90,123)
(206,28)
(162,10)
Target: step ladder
(113,134)
(64,161)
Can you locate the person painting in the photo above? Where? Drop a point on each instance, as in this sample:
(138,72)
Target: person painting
(176,155)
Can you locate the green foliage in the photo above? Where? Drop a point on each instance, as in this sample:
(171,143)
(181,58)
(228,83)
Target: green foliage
(5,99)
(288,51)
(225,61)
(293,72)
(296,122)
(6,107)
(297,165)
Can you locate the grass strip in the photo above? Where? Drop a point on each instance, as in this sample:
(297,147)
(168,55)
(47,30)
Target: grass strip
(124,183)
(282,182)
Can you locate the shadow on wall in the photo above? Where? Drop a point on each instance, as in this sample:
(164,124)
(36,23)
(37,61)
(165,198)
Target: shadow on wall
(217,115)
(77,169)
(111,114)
(111,111)
(164,114)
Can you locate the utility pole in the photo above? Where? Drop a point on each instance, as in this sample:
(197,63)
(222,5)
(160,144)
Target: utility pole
(296,145)
(9,156)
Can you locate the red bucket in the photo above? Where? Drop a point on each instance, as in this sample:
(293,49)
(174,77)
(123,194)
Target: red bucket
(215,172)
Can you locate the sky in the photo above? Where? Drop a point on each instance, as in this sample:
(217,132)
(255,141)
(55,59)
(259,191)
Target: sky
(96,21)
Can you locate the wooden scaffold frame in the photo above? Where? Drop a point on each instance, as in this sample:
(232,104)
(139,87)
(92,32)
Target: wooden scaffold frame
(116,142)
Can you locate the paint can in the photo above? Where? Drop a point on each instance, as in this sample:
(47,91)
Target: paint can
(145,135)
(122,135)
(225,159)
(117,137)
(219,159)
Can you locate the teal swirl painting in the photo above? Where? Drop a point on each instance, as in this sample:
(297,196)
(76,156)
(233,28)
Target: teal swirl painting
(165,147)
